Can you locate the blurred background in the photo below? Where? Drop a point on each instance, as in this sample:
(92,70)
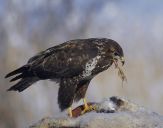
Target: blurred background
(29,26)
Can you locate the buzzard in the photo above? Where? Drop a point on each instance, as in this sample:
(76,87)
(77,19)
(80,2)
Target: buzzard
(74,63)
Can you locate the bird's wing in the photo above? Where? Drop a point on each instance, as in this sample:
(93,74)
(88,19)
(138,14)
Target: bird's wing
(65,60)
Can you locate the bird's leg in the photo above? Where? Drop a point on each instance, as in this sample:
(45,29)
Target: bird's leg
(85,104)
(70,112)
(87,107)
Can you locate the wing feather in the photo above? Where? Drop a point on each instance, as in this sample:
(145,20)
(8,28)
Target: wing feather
(66,60)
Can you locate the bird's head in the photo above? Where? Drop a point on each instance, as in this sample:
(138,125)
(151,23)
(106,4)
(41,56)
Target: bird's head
(117,53)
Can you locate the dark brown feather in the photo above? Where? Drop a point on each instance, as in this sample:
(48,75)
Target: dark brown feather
(81,90)
(17,71)
(66,92)
(17,77)
(23,84)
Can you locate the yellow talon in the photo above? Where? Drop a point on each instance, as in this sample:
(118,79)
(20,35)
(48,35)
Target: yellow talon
(70,112)
(87,107)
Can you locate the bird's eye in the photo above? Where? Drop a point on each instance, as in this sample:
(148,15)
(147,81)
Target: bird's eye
(116,54)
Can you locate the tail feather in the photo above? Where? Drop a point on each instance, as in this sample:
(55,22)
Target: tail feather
(17,77)
(23,84)
(17,71)
(26,77)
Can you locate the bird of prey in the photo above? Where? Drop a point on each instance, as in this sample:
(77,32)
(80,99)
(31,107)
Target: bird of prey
(74,63)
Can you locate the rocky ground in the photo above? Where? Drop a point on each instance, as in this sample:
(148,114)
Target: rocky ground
(114,112)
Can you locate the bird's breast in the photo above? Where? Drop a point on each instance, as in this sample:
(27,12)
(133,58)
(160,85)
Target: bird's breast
(101,67)
(95,66)
(90,66)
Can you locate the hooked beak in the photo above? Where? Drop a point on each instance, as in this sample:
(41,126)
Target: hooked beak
(122,60)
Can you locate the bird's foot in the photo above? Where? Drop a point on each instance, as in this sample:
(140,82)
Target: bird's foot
(70,112)
(88,108)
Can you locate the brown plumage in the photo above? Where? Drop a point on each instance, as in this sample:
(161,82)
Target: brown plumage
(74,63)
